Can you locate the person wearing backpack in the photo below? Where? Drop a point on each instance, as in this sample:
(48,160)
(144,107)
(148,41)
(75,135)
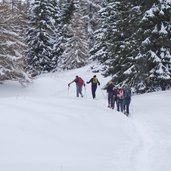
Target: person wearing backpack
(110,92)
(127,99)
(94,82)
(120,97)
(79,83)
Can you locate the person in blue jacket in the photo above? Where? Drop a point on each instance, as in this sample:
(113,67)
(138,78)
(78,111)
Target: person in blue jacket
(126,99)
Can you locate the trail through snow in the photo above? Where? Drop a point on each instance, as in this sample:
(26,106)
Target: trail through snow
(45,127)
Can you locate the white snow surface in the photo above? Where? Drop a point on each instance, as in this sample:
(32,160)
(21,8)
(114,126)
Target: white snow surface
(44,127)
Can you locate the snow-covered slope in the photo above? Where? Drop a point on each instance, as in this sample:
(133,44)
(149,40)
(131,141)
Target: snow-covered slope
(44,127)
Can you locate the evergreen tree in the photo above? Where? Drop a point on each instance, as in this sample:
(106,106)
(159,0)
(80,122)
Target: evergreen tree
(40,37)
(99,51)
(137,41)
(58,32)
(68,8)
(89,11)
(76,51)
(122,41)
(12,47)
(154,57)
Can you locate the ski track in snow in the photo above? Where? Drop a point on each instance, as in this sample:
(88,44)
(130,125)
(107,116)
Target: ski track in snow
(142,151)
(151,129)
(41,114)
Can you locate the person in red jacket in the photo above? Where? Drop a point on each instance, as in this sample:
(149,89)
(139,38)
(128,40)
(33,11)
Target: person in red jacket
(79,83)
(120,97)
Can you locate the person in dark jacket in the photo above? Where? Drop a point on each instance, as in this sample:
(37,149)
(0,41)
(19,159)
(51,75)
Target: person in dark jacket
(79,83)
(115,98)
(110,91)
(94,82)
(126,99)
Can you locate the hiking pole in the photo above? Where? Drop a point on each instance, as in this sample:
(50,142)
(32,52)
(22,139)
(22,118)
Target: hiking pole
(68,90)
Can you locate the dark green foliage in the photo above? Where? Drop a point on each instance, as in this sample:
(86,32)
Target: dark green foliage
(68,9)
(154,50)
(12,46)
(137,38)
(40,37)
(75,44)
(99,51)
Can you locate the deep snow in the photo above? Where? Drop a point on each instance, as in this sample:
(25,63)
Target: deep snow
(44,127)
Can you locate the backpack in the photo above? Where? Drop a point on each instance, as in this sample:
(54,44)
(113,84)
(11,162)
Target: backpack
(110,88)
(127,94)
(121,94)
(80,81)
(95,80)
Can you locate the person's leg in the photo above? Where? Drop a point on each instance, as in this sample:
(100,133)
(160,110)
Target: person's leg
(127,109)
(77,90)
(117,105)
(124,106)
(112,101)
(93,89)
(121,105)
(80,91)
(109,99)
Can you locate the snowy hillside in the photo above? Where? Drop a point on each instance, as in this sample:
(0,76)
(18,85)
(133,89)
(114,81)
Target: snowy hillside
(44,127)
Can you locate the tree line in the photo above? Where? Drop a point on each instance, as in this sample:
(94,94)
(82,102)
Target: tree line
(131,39)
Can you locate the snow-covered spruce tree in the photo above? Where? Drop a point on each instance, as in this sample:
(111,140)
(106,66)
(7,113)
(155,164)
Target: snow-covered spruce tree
(154,57)
(89,10)
(12,47)
(133,52)
(122,42)
(115,45)
(99,48)
(58,32)
(67,7)
(76,51)
(40,37)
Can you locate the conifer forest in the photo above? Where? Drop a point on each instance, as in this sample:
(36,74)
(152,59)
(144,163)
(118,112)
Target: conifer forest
(130,39)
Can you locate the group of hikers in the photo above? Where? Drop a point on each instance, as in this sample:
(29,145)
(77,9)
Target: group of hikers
(119,95)
(80,82)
